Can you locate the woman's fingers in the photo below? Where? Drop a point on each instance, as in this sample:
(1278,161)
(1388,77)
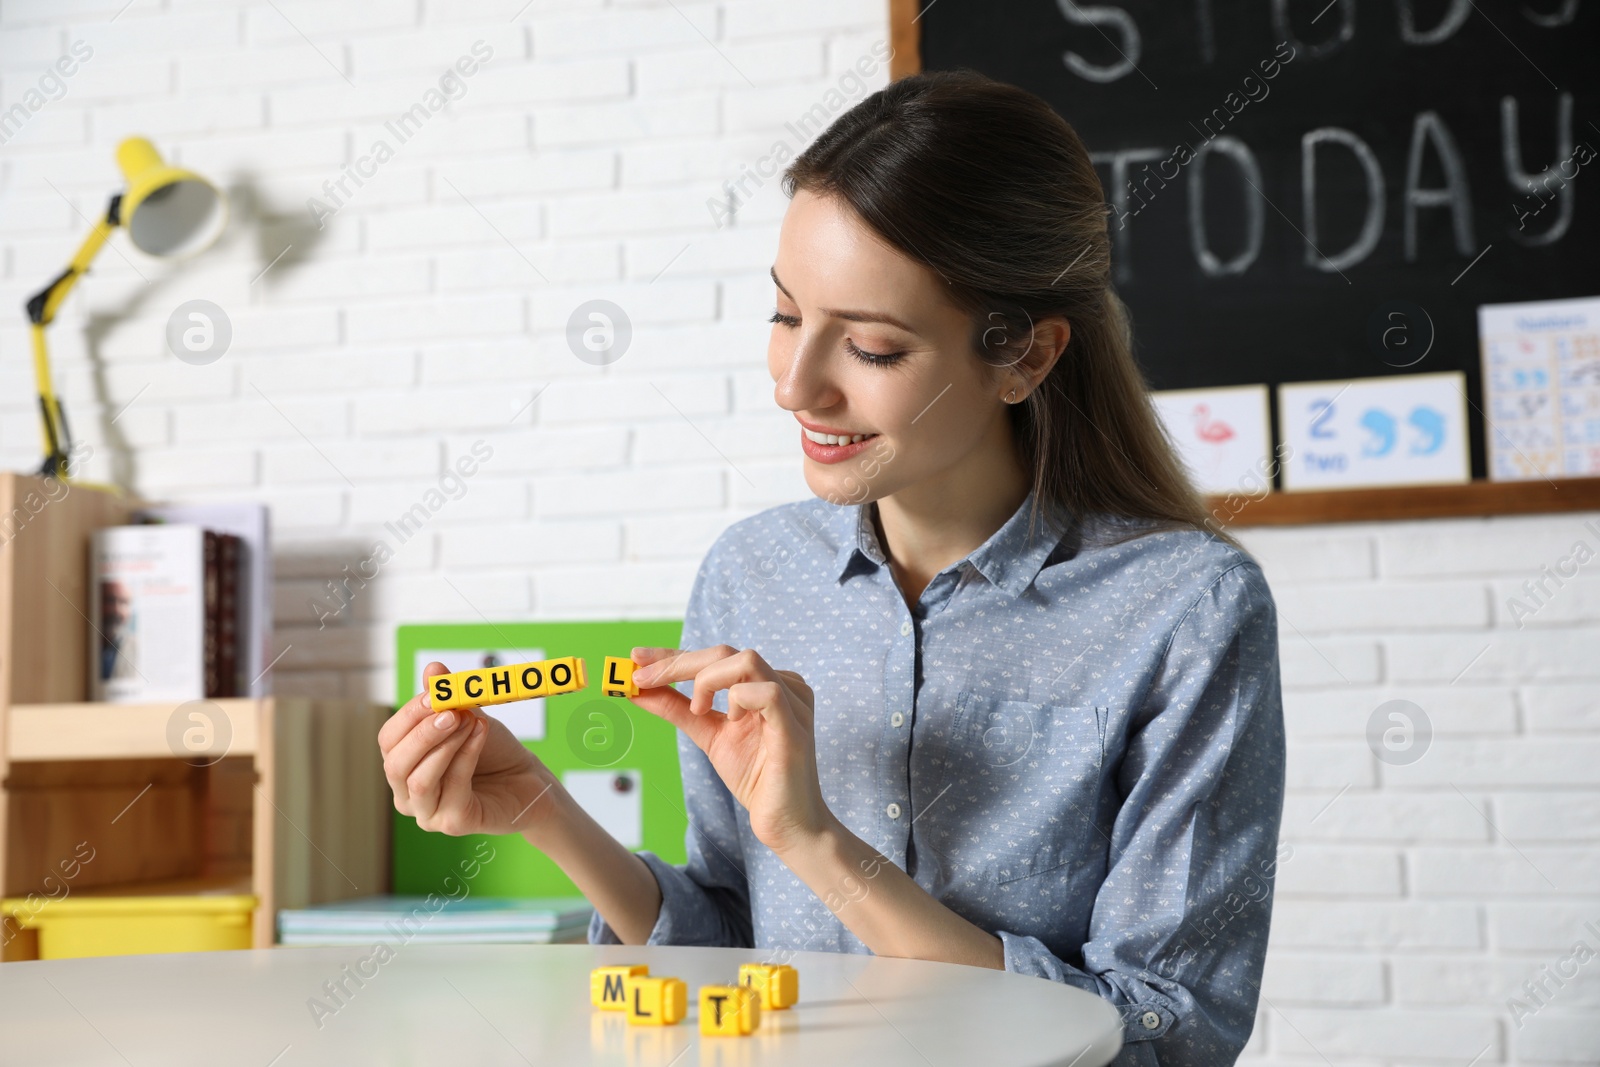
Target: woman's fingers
(455,788)
(422,784)
(745,666)
(716,668)
(414,711)
(770,700)
(407,753)
(669,704)
(664,666)
(400,723)
(803,695)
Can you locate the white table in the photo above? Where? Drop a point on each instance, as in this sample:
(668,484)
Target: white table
(518,1005)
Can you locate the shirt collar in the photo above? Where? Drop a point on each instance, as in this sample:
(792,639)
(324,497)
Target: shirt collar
(1008,559)
(853,531)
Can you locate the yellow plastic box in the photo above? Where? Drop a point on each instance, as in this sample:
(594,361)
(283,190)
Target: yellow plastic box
(106,925)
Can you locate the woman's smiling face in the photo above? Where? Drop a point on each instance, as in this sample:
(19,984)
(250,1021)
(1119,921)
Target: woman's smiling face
(867,345)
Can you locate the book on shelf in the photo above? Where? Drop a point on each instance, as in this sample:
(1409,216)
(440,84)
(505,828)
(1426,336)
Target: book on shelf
(157,599)
(249,623)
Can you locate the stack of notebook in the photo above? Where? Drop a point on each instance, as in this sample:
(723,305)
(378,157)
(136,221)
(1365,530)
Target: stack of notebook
(528,921)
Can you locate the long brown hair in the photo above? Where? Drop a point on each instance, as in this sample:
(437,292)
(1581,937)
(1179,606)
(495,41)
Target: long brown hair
(985,184)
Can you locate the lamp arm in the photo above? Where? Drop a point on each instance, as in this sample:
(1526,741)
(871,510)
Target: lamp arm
(42,307)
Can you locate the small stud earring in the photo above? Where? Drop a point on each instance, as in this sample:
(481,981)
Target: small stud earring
(1011,397)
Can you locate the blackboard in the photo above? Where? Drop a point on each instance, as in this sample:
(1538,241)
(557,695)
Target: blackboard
(1454,108)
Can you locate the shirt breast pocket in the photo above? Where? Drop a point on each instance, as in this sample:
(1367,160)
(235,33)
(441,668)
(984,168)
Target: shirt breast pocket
(1024,782)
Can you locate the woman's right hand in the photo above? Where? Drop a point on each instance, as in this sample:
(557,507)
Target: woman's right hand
(461,772)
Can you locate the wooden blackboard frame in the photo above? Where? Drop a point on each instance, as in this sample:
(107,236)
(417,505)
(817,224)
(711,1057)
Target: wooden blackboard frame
(1476,498)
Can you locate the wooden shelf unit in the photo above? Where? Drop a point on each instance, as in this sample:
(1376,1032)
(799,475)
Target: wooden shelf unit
(1409,502)
(296,808)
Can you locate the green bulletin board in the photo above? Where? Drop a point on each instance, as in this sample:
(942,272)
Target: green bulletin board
(596,739)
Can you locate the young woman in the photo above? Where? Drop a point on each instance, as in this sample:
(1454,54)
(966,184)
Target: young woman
(998,696)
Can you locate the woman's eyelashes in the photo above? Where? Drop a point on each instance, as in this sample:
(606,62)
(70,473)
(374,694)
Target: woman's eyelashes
(874,359)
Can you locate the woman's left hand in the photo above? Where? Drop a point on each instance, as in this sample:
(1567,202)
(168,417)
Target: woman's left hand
(764,747)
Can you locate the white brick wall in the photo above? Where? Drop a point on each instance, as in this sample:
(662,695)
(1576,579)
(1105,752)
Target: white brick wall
(428,314)
(1432,891)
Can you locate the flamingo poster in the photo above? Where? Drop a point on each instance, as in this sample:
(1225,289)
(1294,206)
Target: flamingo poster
(1408,429)
(1223,435)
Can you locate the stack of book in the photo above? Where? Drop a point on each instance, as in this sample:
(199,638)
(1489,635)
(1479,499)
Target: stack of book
(440,919)
(178,606)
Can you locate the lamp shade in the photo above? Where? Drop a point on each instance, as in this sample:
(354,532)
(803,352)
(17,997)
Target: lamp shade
(168,211)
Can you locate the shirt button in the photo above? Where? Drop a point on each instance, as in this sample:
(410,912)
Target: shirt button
(1150,1020)
(896,719)
(893,811)
(905,629)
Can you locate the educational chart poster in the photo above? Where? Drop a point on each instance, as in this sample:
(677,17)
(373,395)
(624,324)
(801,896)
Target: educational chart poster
(1365,432)
(1223,435)
(1541,387)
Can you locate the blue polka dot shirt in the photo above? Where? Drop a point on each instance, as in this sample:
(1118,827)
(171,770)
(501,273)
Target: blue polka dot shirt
(1072,743)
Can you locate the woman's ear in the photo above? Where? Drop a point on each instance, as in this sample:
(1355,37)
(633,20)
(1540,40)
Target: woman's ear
(1049,339)
(1052,334)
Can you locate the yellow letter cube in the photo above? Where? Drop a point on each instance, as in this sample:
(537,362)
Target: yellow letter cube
(483,686)
(656,1001)
(463,689)
(442,693)
(500,683)
(533,680)
(619,678)
(777,983)
(606,985)
(566,675)
(729,1010)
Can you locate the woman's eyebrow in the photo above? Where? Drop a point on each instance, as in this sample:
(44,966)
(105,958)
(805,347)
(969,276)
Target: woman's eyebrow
(849,316)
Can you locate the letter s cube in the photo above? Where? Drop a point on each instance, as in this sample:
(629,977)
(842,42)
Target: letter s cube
(453,692)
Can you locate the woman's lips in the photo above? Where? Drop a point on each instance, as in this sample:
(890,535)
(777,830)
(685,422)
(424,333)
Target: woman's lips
(833,453)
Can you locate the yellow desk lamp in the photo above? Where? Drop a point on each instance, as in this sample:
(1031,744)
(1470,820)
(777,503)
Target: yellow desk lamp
(168,212)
